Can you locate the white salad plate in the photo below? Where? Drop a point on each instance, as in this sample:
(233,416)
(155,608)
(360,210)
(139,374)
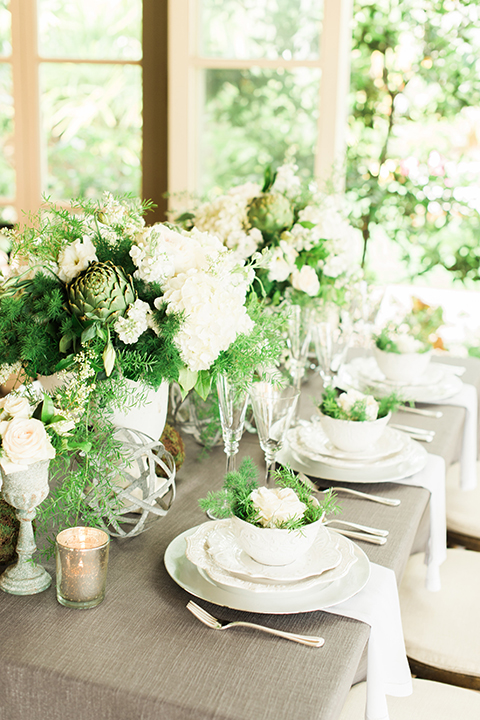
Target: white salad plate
(222,545)
(310,441)
(410,461)
(191,578)
(363,373)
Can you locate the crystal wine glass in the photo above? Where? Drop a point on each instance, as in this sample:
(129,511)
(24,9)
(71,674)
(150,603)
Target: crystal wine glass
(298,341)
(232,402)
(274,408)
(332,335)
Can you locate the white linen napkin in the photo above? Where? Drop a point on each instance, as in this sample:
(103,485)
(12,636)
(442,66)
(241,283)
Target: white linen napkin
(388,672)
(432,477)
(467,398)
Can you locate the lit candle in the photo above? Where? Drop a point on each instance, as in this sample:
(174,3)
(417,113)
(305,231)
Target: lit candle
(82,560)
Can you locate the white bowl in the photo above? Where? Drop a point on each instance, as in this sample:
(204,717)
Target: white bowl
(402,367)
(273,546)
(353,435)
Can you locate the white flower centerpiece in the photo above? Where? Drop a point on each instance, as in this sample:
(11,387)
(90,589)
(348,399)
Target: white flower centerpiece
(274,526)
(352,420)
(310,249)
(103,301)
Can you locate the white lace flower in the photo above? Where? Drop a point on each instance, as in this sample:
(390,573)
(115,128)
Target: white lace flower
(76,257)
(135,322)
(282,262)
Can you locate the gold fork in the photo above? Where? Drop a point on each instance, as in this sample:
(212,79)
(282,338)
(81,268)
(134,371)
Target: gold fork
(213,622)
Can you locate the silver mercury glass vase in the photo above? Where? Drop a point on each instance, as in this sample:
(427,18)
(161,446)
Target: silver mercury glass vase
(25,490)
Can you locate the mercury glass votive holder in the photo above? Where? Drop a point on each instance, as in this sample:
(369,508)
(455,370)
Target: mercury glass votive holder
(82,561)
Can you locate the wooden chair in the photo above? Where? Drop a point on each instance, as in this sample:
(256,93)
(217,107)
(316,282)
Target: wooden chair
(442,629)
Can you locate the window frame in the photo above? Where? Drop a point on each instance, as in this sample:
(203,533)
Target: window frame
(184,93)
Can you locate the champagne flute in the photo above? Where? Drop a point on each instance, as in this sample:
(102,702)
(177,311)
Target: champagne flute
(298,341)
(274,409)
(232,402)
(332,337)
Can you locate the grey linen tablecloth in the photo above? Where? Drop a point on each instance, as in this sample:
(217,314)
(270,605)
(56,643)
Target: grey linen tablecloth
(142,655)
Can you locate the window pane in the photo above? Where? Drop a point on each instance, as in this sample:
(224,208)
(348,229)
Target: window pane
(260,28)
(5,28)
(90,29)
(252,117)
(7,171)
(92,128)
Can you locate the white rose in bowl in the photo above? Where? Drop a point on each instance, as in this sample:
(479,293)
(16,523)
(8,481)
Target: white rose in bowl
(306,280)
(16,406)
(347,400)
(277,505)
(26,442)
(407,344)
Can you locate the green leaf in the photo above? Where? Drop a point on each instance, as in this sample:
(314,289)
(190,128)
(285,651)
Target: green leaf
(48,409)
(65,363)
(66,341)
(307,224)
(203,384)
(79,445)
(89,333)
(187,380)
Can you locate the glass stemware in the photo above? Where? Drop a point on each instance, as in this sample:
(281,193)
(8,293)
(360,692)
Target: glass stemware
(332,336)
(298,342)
(232,402)
(274,408)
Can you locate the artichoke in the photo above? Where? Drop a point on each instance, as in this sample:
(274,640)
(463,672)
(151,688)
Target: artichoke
(102,292)
(270,213)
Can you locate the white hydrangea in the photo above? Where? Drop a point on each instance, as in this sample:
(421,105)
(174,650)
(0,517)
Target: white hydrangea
(76,257)
(135,322)
(226,217)
(286,182)
(213,301)
(406,343)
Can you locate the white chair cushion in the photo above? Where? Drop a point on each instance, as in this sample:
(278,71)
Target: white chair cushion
(430,701)
(442,629)
(463,506)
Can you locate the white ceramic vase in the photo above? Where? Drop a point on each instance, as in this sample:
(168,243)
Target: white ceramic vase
(148,418)
(273,546)
(25,490)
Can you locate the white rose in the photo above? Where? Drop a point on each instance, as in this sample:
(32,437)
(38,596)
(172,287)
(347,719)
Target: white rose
(277,505)
(306,280)
(282,262)
(76,257)
(26,442)
(347,400)
(16,406)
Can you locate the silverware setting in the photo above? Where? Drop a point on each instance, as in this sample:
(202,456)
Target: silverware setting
(421,411)
(374,539)
(356,526)
(367,496)
(216,624)
(415,433)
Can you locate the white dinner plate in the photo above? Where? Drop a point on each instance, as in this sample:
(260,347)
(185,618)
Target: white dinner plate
(214,548)
(189,577)
(308,440)
(363,373)
(408,465)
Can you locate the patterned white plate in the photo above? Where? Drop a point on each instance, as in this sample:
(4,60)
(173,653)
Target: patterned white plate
(223,546)
(189,577)
(310,441)
(197,553)
(363,373)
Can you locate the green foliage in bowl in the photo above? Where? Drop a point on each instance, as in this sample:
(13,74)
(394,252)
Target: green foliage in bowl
(235,498)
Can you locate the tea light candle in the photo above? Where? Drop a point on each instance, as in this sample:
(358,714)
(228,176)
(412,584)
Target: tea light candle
(82,560)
